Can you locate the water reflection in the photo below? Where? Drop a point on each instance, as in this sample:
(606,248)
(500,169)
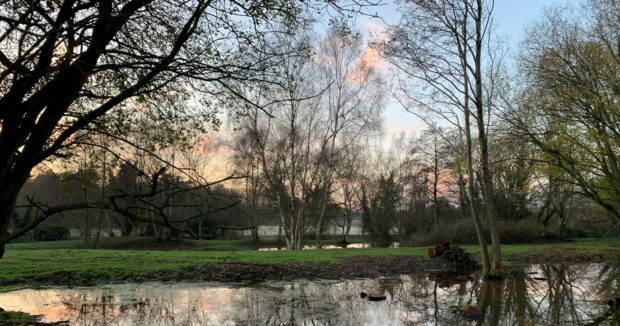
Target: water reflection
(342,246)
(533,295)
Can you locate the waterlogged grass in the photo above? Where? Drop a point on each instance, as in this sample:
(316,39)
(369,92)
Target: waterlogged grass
(29,264)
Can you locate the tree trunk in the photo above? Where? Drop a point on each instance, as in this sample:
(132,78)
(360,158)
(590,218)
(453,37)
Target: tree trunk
(99,227)
(127,227)
(496,255)
(8,196)
(487,181)
(86,231)
(484,253)
(319,226)
(255,232)
(490,301)
(347,226)
(299,229)
(5,218)
(287,229)
(279,232)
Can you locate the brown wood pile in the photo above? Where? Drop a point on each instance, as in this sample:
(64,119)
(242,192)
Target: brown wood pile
(453,253)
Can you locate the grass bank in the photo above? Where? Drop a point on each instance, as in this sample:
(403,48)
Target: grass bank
(57,263)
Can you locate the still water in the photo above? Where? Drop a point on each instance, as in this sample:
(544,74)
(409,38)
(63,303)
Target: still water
(532,295)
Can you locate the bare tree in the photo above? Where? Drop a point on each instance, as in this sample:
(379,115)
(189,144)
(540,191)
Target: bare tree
(347,181)
(299,134)
(439,48)
(73,68)
(353,103)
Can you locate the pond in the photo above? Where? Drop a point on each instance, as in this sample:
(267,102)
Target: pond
(532,295)
(357,245)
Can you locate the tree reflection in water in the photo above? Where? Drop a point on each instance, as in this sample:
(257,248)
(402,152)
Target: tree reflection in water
(533,295)
(552,295)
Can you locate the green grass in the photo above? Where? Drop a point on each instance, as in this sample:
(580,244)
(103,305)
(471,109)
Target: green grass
(593,245)
(25,263)
(16,318)
(609,248)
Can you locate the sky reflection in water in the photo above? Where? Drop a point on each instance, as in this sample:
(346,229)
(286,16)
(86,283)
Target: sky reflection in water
(534,295)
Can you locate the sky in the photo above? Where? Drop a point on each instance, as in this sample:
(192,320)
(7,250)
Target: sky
(511,19)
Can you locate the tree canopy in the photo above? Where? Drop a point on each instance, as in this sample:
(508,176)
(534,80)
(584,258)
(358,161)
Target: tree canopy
(82,72)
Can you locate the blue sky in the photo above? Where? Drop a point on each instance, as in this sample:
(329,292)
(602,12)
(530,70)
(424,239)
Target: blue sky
(511,19)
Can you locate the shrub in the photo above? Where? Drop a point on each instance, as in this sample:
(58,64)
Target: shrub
(463,231)
(51,233)
(522,231)
(575,233)
(588,226)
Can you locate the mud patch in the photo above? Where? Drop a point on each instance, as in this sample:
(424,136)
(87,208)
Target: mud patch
(359,267)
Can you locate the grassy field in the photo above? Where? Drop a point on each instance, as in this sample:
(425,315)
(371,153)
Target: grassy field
(25,263)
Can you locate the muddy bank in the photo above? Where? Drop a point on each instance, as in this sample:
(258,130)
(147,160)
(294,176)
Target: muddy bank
(358,267)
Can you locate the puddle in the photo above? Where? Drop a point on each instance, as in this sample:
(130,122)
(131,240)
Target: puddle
(533,295)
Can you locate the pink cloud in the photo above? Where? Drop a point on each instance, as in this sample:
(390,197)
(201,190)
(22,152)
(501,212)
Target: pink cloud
(372,58)
(408,129)
(372,25)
